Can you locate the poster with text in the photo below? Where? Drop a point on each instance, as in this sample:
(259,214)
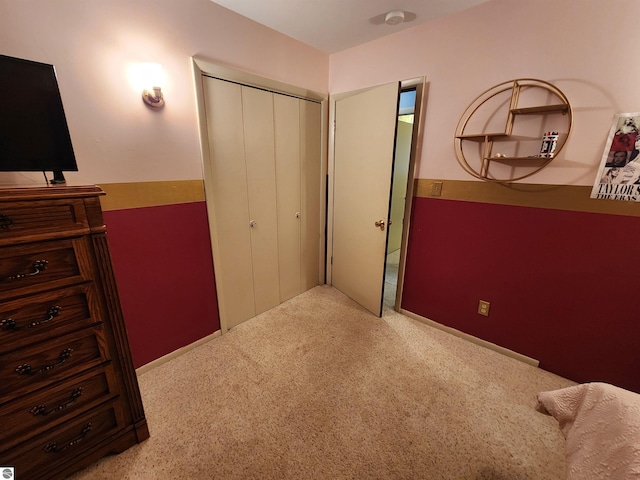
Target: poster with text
(619,173)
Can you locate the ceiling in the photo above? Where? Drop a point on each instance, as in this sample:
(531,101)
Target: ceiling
(335,25)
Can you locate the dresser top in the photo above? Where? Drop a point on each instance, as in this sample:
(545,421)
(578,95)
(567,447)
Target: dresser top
(12,193)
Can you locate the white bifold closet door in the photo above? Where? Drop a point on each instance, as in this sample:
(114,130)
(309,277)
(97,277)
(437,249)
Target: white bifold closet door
(264,154)
(259,141)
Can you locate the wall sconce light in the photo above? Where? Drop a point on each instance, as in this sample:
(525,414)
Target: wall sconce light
(152,77)
(153,97)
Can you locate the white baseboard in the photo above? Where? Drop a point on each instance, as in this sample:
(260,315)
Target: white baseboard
(472,339)
(176,353)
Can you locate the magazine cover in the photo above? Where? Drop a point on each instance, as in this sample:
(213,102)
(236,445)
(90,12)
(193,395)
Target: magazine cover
(619,173)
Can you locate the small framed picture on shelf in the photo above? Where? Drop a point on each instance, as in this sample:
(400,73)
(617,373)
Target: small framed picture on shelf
(549,144)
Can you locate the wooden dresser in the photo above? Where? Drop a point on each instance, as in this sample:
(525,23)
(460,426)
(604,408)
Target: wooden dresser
(68,390)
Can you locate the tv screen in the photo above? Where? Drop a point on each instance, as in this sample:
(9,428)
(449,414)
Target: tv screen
(34,135)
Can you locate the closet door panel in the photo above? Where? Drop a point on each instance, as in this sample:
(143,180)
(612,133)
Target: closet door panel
(257,106)
(228,185)
(310,181)
(287,135)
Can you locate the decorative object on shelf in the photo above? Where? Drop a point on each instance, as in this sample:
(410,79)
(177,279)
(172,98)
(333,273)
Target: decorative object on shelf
(618,177)
(517,114)
(549,144)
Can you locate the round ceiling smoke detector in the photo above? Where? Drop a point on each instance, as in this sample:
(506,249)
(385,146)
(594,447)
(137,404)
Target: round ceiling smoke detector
(394,17)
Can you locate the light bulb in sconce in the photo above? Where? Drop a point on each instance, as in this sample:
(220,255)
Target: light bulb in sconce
(153,79)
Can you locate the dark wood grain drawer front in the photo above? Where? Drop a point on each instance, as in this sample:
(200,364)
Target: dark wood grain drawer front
(33,414)
(68,389)
(36,459)
(24,371)
(44,218)
(47,315)
(31,268)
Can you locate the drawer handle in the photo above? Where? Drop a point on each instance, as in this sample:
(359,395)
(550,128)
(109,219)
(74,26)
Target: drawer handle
(10,323)
(42,409)
(53,446)
(25,369)
(38,266)
(5,222)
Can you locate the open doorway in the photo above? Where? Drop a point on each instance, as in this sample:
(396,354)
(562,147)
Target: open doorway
(399,185)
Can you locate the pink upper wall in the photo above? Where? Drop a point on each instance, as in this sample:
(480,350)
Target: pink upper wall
(93,45)
(581,46)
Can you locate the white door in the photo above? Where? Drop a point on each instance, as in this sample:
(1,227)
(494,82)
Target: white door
(287,144)
(229,209)
(298,150)
(257,113)
(311,193)
(364,142)
(263,192)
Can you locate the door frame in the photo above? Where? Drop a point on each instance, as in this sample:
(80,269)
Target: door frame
(204,67)
(419,83)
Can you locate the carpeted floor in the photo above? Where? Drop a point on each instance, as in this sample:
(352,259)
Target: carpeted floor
(318,388)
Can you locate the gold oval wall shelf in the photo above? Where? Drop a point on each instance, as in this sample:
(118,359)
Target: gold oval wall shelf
(499,136)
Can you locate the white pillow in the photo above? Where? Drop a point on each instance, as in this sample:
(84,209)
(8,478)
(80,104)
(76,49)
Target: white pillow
(601,424)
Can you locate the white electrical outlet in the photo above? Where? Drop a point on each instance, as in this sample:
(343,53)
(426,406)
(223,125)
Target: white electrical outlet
(483,308)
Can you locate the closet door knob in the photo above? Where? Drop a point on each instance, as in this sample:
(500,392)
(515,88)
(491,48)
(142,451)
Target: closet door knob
(298,215)
(252,224)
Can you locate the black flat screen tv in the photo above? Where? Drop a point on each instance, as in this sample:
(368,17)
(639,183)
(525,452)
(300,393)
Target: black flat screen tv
(34,135)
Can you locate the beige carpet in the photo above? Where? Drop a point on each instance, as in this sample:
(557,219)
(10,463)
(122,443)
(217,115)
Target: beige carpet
(317,388)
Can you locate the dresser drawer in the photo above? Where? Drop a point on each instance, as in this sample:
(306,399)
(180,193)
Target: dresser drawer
(23,371)
(30,268)
(41,219)
(47,315)
(40,455)
(33,414)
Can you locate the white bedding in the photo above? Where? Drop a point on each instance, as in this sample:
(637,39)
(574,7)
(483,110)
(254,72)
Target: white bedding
(601,424)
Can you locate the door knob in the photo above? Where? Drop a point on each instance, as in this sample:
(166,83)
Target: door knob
(252,224)
(380,224)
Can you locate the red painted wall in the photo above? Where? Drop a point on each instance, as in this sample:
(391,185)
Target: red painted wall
(562,285)
(164,269)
